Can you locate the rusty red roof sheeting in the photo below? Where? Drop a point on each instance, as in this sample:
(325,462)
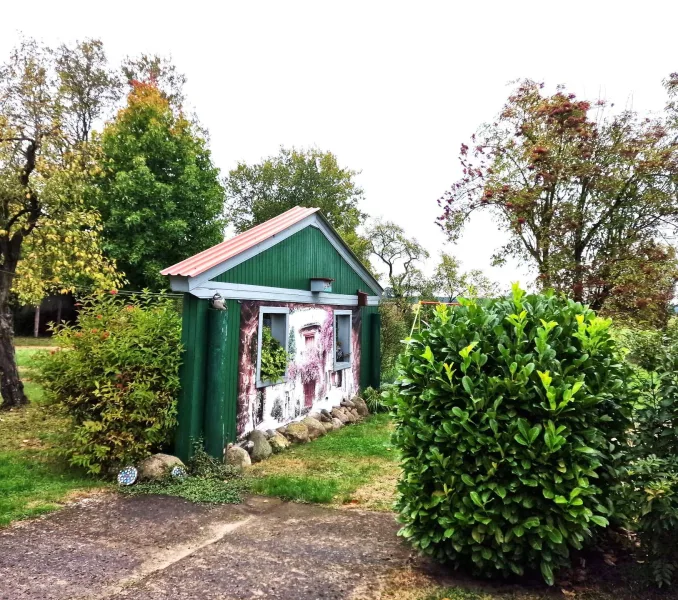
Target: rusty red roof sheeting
(205,260)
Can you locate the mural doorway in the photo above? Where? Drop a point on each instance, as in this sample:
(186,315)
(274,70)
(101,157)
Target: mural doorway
(309,394)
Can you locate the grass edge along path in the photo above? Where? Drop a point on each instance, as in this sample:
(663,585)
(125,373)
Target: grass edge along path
(354,466)
(33,481)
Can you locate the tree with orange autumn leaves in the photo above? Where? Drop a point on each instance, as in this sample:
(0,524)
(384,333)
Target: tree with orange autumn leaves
(588,198)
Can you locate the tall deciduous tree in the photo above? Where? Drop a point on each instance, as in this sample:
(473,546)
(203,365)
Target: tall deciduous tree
(579,192)
(311,178)
(159,194)
(158,70)
(401,257)
(451,281)
(42,170)
(88,86)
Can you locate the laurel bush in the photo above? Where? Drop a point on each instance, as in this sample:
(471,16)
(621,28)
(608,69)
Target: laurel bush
(511,421)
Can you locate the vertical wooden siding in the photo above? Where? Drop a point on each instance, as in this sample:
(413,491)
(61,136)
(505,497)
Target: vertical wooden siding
(366,366)
(291,263)
(231,368)
(191,397)
(191,404)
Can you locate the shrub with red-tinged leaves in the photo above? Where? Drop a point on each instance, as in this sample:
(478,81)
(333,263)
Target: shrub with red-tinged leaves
(117,378)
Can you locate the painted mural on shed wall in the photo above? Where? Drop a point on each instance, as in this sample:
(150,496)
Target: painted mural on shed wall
(312,383)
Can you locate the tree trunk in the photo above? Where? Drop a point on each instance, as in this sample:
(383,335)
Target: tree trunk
(36,322)
(10,385)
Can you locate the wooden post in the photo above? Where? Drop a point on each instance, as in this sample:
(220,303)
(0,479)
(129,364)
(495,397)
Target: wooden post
(217,377)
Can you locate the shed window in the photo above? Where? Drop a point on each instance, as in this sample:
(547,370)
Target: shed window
(272,342)
(342,339)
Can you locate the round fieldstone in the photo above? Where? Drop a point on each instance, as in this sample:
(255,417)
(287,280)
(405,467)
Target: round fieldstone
(157,466)
(238,457)
(297,433)
(262,449)
(361,407)
(278,443)
(315,428)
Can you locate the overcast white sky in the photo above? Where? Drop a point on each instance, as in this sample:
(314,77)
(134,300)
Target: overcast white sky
(392,88)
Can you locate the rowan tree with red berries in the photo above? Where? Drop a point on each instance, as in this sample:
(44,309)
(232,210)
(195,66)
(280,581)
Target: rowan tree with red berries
(588,198)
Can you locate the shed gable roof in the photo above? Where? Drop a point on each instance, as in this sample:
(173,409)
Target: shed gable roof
(212,257)
(217,259)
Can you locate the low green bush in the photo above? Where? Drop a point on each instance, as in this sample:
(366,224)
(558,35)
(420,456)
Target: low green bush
(652,496)
(511,420)
(373,399)
(651,484)
(117,377)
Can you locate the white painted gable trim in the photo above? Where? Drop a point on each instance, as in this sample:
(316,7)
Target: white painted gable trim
(313,220)
(241,291)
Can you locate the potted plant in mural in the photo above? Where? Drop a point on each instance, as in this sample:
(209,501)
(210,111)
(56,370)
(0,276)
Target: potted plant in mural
(273,358)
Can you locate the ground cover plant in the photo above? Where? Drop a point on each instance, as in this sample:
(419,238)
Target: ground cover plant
(209,480)
(116,378)
(355,465)
(511,420)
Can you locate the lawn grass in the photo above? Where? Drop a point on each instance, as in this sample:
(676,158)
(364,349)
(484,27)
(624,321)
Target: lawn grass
(25,356)
(33,341)
(355,465)
(32,479)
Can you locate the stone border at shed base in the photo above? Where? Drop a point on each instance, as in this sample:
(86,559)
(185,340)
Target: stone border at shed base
(262,444)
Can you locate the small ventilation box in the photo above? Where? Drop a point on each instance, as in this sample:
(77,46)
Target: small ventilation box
(321,284)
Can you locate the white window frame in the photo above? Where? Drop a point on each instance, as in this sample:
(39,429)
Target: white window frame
(278,310)
(338,366)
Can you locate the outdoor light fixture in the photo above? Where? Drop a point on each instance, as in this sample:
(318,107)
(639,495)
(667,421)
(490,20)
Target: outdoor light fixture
(321,284)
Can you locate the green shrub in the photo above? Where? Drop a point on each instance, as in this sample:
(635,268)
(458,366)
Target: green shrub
(117,378)
(651,485)
(652,498)
(273,357)
(375,403)
(510,418)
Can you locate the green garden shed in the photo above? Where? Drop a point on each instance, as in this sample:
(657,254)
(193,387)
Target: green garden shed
(278,321)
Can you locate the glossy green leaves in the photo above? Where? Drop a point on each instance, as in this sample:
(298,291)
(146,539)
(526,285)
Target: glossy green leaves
(510,420)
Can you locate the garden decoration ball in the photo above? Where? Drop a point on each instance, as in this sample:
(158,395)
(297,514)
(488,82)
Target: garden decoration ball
(127,476)
(179,472)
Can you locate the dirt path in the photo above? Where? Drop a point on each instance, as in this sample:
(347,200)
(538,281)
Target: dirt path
(166,548)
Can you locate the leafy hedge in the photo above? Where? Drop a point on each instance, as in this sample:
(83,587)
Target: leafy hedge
(511,420)
(117,377)
(651,484)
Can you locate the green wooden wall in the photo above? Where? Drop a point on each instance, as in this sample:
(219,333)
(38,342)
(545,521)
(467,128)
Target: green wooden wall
(370,357)
(191,406)
(230,368)
(292,262)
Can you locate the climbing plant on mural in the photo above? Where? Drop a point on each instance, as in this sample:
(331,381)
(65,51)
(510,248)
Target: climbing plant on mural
(311,383)
(273,357)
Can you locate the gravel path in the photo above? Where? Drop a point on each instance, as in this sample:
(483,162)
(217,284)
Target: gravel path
(166,548)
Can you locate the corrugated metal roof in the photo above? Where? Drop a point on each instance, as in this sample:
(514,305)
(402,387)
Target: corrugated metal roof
(205,260)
